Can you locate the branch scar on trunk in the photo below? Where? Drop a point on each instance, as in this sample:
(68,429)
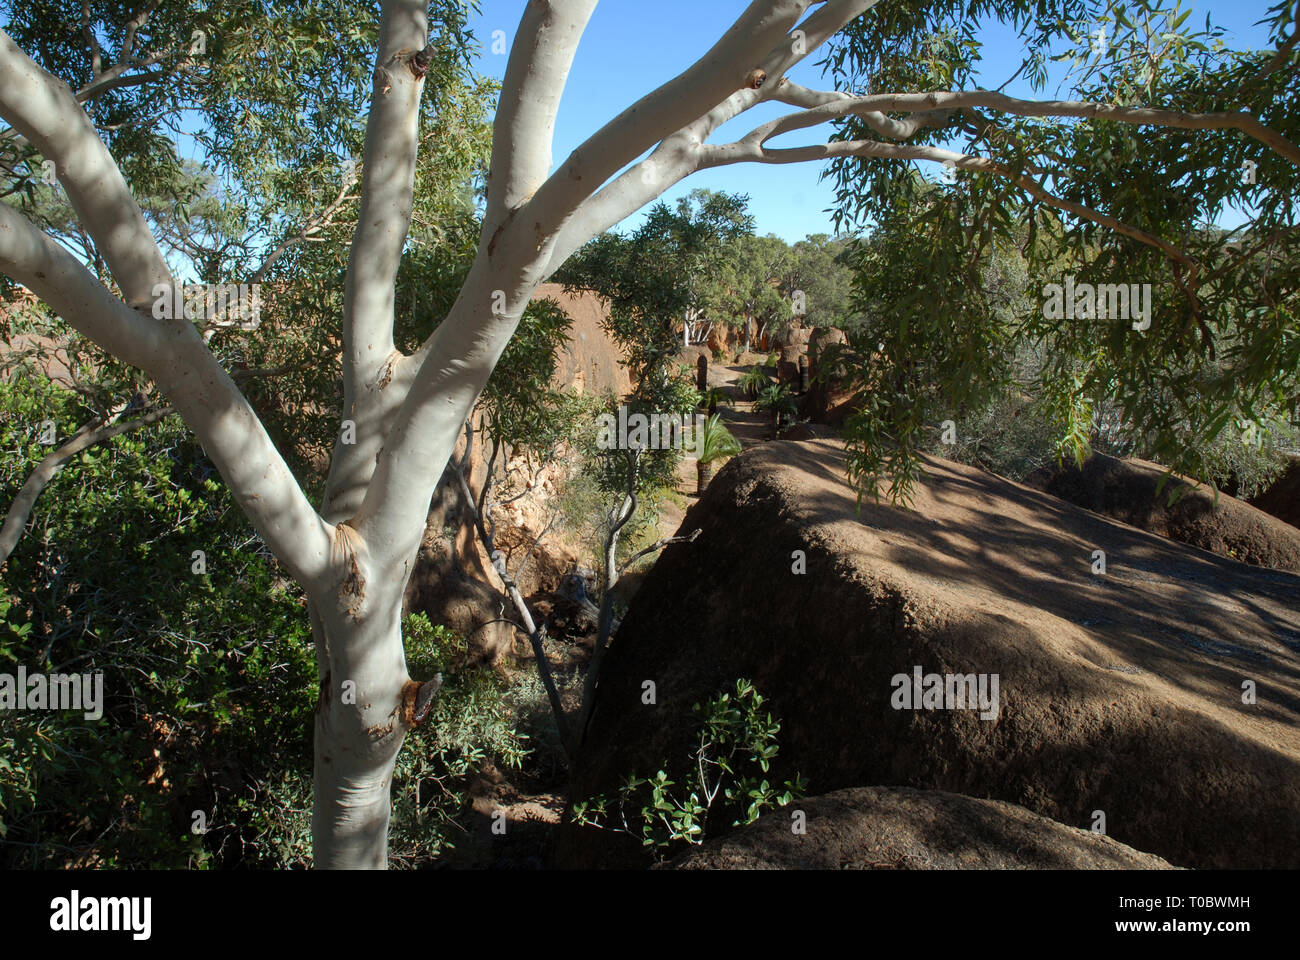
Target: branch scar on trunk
(417,700)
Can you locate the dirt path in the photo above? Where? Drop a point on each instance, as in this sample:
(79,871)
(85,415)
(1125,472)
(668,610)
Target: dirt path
(751,427)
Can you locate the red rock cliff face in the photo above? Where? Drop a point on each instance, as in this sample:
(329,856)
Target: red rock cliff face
(593,362)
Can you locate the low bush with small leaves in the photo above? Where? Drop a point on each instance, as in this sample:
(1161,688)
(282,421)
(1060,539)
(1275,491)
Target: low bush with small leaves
(722,784)
(202,757)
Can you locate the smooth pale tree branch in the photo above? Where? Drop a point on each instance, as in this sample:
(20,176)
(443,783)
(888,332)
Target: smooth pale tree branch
(931,107)
(387,192)
(193,381)
(743,151)
(732,64)
(42,108)
(523,132)
(112,78)
(96,54)
(673,161)
(34,259)
(97,431)
(383,223)
(133,28)
(451,370)
(678,155)
(119,76)
(820,26)
(949,100)
(124,80)
(810,35)
(799,96)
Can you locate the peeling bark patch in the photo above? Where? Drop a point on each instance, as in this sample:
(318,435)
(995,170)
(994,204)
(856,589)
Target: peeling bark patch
(381,731)
(352,588)
(352,591)
(386,376)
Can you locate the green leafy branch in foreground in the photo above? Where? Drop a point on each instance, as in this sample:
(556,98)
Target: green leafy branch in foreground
(726,781)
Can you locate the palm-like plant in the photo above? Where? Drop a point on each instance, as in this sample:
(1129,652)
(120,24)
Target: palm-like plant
(780,402)
(714,396)
(754,382)
(714,443)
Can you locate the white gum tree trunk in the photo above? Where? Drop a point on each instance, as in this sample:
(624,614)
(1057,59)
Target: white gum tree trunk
(353,555)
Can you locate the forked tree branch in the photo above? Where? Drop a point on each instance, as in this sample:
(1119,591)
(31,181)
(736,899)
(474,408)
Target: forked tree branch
(524,129)
(955,100)
(372,390)
(732,64)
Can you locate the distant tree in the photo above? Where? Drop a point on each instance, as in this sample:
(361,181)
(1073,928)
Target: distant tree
(819,278)
(663,273)
(745,286)
(1164,130)
(777,400)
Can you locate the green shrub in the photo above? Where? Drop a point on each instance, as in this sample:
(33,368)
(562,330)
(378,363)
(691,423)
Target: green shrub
(722,784)
(210,680)
(1016,434)
(470,724)
(753,381)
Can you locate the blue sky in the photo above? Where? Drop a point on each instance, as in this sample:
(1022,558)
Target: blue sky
(631,47)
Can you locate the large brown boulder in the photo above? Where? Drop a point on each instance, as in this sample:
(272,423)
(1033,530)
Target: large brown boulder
(798,336)
(830,399)
(1119,692)
(726,338)
(1129,491)
(822,336)
(897,828)
(792,354)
